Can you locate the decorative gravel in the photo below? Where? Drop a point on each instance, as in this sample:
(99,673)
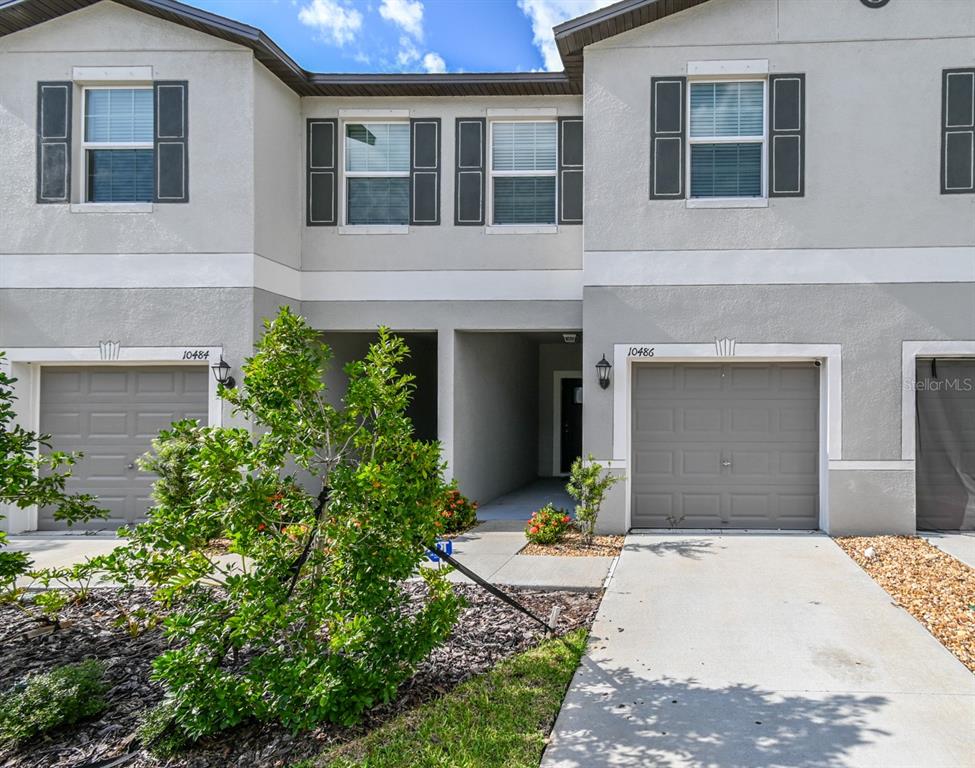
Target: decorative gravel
(934,587)
(573,545)
(487,632)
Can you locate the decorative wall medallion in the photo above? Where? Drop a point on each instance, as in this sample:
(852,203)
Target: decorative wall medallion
(108,350)
(875,3)
(724,347)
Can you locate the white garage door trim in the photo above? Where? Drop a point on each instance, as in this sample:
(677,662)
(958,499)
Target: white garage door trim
(830,394)
(25,364)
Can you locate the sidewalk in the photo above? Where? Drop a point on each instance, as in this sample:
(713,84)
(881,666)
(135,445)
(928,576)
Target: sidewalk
(491,551)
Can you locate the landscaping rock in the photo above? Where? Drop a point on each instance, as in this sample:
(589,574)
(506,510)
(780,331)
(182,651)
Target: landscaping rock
(487,632)
(934,587)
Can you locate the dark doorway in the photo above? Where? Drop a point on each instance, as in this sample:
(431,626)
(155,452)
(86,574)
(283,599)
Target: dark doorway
(945,448)
(571,427)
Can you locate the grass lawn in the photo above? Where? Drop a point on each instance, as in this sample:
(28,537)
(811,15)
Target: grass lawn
(501,719)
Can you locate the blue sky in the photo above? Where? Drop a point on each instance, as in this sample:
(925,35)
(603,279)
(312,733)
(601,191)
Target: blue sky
(410,35)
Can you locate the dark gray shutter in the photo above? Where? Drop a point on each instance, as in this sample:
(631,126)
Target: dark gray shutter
(668,133)
(321,172)
(958,131)
(570,170)
(469,171)
(787,139)
(425,171)
(54,142)
(172,141)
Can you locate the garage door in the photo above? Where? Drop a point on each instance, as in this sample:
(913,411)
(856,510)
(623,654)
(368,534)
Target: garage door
(111,414)
(725,446)
(945,447)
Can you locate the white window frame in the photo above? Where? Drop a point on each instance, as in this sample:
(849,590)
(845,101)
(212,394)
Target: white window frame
(720,202)
(491,173)
(86,145)
(347,174)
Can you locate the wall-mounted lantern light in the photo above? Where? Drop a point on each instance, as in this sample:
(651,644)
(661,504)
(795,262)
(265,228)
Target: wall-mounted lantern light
(221,372)
(602,368)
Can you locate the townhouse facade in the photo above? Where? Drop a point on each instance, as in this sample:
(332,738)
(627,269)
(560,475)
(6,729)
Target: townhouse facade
(729,251)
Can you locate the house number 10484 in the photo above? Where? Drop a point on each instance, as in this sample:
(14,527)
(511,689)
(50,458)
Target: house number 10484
(196,354)
(640,352)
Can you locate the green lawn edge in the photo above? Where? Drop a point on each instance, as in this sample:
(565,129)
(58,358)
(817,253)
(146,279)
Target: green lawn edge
(501,719)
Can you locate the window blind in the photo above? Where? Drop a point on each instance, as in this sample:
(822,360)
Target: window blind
(118,115)
(726,170)
(120,175)
(726,109)
(377,147)
(378,200)
(524,146)
(524,200)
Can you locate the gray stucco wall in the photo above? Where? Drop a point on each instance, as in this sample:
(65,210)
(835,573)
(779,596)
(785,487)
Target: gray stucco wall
(870,322)
(873,104)
(444,246)
(219,216)
(495,414)
(190,317)
(278,138)
(871,501)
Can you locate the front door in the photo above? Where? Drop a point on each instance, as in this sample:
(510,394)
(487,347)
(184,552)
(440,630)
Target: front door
(571,426)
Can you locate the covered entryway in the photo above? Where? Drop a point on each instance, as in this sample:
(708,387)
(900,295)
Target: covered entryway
(945,449)
(725,445)
(111,413)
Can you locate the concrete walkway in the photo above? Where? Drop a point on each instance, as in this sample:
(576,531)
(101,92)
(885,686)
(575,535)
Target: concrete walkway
(519,505)
(62,549)
(491,551)
(959,545)
(739,651)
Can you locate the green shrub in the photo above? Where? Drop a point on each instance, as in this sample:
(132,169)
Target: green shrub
(158,731)
(45,701)
(588,484)
(459,513)
(548,525)
(313,624)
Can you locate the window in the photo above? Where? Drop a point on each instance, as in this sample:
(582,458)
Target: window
(523,171)
(377,173)
(727,139)
(118,145)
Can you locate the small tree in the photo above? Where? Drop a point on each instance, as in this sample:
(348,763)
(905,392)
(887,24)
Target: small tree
(588,485)
(30,477)
(307,620)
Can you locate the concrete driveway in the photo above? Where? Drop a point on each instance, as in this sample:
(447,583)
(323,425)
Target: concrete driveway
(735,651)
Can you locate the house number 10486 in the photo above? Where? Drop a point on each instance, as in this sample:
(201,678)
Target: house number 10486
(640,352)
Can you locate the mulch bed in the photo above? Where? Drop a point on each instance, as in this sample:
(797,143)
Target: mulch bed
(487,632)
(934,587)
(572,545)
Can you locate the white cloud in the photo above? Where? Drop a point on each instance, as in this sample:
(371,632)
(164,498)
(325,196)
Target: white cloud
(406,14)
(434,64)
(408,53)
(545,14)
(336,23)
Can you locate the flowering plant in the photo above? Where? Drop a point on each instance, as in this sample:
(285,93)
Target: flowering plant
(458,513)
(548,525)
